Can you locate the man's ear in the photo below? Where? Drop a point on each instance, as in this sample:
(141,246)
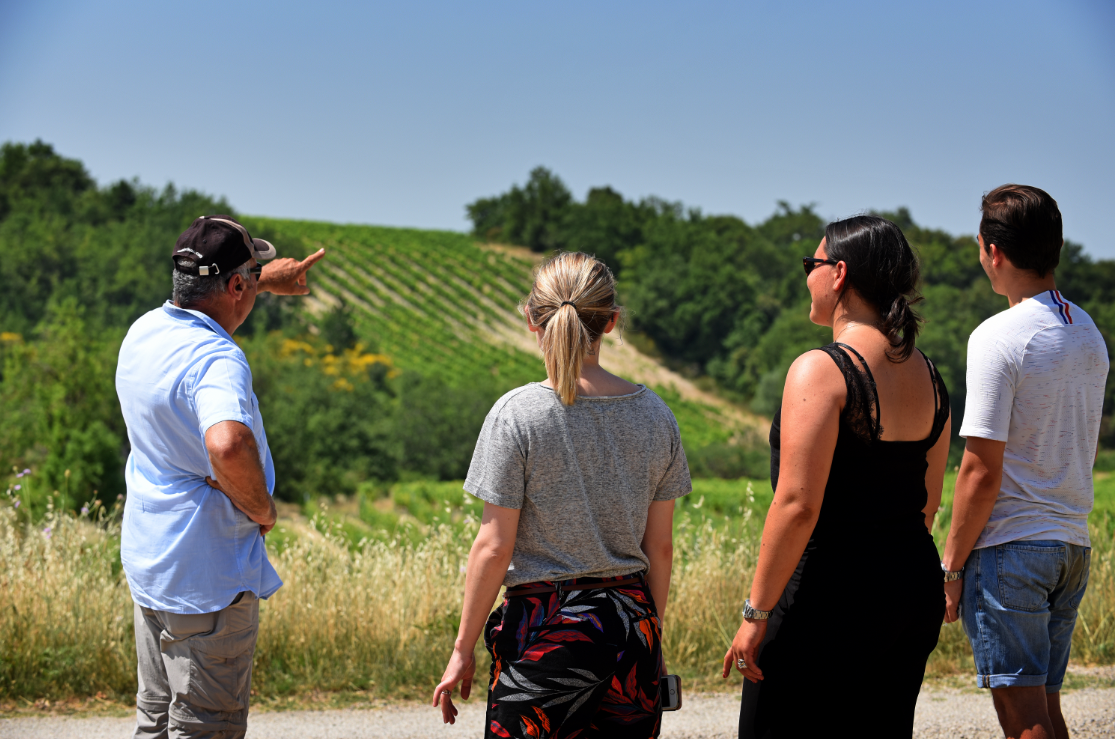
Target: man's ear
(236,286)
(996,254)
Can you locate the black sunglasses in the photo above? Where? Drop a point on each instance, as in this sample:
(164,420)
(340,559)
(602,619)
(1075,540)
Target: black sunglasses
(811,263)
(256,270)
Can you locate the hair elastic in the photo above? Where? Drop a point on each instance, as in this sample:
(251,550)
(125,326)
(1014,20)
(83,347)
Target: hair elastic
(567,302)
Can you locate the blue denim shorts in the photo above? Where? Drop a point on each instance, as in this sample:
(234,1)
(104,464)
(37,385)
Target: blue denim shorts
(1019,608)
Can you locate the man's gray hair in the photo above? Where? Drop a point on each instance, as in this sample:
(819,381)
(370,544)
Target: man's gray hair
(193,289)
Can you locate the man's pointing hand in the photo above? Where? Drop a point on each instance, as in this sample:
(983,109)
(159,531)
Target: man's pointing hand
(288,276)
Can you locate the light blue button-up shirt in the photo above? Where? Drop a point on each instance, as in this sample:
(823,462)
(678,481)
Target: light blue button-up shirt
(185,548)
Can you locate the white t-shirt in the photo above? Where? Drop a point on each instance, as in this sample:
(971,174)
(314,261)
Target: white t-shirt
(1036,376)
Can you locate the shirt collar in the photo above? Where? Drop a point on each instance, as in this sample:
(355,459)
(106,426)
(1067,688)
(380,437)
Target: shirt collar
(1049,298)
(185,314)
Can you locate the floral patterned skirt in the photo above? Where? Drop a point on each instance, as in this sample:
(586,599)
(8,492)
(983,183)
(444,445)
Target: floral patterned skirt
(575,663)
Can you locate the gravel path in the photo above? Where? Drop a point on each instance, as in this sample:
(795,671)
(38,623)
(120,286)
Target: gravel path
(1090,713)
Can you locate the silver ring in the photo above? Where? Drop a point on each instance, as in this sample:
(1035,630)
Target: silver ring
(447,692)
(741,664)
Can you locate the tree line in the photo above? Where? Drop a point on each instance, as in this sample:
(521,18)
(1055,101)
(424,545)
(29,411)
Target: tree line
(79,263)
(713,296)
(725,300)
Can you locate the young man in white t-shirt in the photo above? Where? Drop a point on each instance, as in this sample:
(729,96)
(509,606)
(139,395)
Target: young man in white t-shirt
(1017,556)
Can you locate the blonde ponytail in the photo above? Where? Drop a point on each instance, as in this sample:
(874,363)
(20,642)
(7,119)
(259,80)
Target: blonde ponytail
(573,299)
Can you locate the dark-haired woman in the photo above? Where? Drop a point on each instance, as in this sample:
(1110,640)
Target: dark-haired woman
(847,599)
(578,475)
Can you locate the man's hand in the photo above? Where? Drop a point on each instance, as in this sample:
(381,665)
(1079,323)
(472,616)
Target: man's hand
(287,276)
(977,489)
(953,591)
(264,529)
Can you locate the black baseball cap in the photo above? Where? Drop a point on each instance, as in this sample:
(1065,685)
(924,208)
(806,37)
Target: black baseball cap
(217,245)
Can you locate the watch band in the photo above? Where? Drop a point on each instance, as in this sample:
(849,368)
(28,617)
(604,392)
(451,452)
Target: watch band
(752,614)
(952,575)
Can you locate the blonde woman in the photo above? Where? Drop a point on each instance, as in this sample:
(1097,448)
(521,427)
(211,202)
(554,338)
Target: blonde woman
(578,475)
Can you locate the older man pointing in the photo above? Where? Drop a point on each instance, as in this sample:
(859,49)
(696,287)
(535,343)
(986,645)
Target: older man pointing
(200,479)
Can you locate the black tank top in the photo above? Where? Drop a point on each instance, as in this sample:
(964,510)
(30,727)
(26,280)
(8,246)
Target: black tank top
(872,482)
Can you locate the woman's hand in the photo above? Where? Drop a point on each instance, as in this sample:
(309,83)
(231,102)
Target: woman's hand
(461,669)
(746,647)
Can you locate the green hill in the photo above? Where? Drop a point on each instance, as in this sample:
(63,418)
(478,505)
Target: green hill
(443,304)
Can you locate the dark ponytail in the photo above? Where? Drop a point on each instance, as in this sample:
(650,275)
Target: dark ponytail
(884,271)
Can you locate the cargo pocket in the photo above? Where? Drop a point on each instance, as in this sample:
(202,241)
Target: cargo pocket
(1028,573)
(220,671)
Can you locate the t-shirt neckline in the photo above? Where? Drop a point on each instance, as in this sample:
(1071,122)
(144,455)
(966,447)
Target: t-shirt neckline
(642,389)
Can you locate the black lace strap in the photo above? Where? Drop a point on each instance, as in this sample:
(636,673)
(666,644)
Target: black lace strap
(870,382)
(933,382)
(941,408)
(857,408)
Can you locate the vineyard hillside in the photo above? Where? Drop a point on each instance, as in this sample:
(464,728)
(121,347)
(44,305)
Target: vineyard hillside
(440,303)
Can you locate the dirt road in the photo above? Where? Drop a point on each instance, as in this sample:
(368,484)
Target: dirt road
(1090,713)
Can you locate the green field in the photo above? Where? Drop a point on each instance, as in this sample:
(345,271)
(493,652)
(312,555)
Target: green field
(431,300)
(409,509)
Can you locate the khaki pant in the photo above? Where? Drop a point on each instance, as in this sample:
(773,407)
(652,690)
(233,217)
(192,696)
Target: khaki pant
(195,671)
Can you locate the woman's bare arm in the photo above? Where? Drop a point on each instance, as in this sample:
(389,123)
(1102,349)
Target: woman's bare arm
(487,566)
(658,545)
(811,405)
(937,458)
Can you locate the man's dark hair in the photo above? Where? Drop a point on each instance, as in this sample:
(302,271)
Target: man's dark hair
(1025,223)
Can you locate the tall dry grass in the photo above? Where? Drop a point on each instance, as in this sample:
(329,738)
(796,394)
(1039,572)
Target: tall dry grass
(379,617)
(1093,640)
(65,612)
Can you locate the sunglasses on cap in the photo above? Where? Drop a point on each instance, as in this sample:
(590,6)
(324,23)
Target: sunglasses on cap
(811,263)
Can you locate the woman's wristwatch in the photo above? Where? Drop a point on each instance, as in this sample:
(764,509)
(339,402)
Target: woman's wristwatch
(950,576)
(751,614)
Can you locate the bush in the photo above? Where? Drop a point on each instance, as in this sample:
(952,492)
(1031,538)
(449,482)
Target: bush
(61,415)
(729,461)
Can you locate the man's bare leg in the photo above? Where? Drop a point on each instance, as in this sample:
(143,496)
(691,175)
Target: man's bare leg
(1024,712)
(1060,728)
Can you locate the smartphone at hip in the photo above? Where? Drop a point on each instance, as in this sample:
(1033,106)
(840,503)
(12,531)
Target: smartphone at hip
(669,687)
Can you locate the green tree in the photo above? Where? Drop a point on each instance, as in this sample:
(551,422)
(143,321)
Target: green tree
(328,414)
(60,410)
(532,216)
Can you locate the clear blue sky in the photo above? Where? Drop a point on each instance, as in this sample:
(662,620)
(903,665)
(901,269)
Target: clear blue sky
(400,113)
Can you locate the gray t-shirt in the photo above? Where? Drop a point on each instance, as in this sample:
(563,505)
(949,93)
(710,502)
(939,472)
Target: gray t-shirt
(583,476)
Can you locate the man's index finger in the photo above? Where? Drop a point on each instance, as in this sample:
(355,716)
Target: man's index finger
(312,259)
